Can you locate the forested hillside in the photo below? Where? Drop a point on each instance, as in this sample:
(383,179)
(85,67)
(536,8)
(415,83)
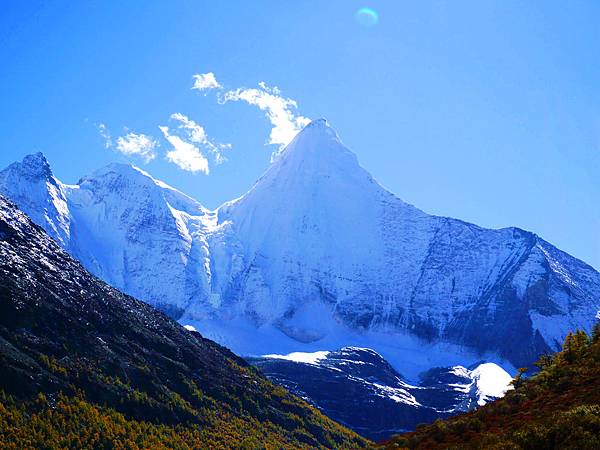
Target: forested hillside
(557,408)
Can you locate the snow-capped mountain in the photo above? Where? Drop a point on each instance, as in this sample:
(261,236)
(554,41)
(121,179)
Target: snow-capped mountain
(134,232)
(316,255)
(32,185)
(360,389)
(319,237)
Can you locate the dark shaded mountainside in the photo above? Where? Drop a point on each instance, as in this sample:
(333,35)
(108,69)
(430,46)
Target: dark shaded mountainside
(358,388)
(85,366)
(558,408)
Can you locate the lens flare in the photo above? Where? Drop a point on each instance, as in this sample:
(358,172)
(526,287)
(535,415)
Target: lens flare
(367,17)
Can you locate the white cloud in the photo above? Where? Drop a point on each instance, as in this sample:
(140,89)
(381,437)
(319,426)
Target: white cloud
(279,110)
(197,134)
(131,144)
(137,145)
(205,81)
(184,154)
(103,130)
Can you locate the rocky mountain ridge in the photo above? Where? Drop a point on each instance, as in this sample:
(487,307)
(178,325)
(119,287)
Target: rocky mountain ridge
(360,389)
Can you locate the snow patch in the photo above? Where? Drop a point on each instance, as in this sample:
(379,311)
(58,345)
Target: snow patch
(492,381)
(301,357)
(396,394)
(488,381)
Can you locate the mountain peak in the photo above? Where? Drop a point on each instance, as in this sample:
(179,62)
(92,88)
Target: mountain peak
(317,130)
(33,166)
(120,169)
(124,179)
(315,170)
(318,123)
(31,185)
(120,173)
(317,145)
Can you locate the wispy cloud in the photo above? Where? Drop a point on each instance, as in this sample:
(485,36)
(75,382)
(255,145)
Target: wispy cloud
(130,144)
(103,130)
(197,135)
(279,110)
(185,154)
(140,145)
(205,82)
(191,149)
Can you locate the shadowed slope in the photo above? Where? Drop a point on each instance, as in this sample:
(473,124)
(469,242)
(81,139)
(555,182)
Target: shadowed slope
(110,367)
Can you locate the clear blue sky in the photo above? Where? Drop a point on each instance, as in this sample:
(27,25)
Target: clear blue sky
(485,111)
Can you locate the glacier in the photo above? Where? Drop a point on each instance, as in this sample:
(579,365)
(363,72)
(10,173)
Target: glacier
(316,256)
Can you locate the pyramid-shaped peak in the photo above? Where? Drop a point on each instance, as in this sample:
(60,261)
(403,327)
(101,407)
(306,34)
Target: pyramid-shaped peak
(318,127)
(33,166)
(318,123)
(315,170)
(316,141)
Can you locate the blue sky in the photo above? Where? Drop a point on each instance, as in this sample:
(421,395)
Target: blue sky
(485,111)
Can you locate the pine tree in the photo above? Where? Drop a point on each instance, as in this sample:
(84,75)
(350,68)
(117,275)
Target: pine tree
(545,361)
(518,379)
(596,332)
(574,347)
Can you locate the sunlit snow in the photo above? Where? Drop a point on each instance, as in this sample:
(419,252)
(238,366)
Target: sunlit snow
(308,358)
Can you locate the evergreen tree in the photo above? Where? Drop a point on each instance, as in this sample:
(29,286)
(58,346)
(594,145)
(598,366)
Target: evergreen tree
(518,379)
(574,347)
(596,332)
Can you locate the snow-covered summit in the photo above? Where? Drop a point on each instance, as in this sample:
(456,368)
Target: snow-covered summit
(31,185)
(307,163)
(316,244)
(126,178)
(35,166)
(313,186)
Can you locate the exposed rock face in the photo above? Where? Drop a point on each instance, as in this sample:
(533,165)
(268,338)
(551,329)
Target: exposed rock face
(360,389)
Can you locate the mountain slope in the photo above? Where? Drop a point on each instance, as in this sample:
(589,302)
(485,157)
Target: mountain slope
(121,368)
(121,224)
(317,233)
(317,236)
(360,389)
(558,408)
